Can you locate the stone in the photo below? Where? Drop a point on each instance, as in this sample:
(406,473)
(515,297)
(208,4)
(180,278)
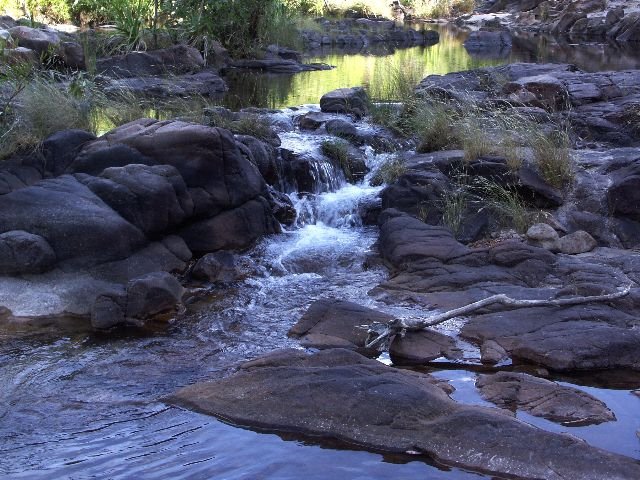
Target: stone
(152,294)
(331,323)
(419,348)
(279,66)
(576,243)
(549,91)
(487,40)
(217,267)
(76,223)
(153,198)
(312,120)
(345,100)
(492,353)
(543,398)
(234,229)
(177,59)
(20,55)
(205,84)
(340,394)
(109,310)
(61,148)
(23,253)
(43,42)
(544,236)
(341,128)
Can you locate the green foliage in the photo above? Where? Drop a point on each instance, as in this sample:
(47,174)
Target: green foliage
(389,171)
(505,203)
(454,206)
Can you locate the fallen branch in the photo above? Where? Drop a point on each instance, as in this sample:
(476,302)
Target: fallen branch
(380,335)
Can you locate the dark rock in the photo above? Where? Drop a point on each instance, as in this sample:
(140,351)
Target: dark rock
(486,40)
(535,189)
(282,207)
(624,193)
(264,156)
(205,84)
(312,120)
(22,253)
(342,395)
(234,229)
(217,267)
(492,353)
(345,100)
(279,66)
(331,323)
(176,60)
(61,148)
(43,42)
(152,294)
(418,348)
(153,198)
(76,223)
(543,398)
(341,128)
(109,310)
(217,175)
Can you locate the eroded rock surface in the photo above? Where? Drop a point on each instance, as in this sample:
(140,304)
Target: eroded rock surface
(340,394)
(543,398)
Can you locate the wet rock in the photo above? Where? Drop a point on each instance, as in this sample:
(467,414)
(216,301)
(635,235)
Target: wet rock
(340,394)
(217,267)
(342,128)
(312,120)
(543,398)
(576,243)
(544,236)
(345,100)
(331,323)
(234,229)
(418,348)
(279,66)
(282,207)
(265,157)
(152,294)
(177,59)
(23,253)
(492,353)
(205,84)
(582,337)
(482,41)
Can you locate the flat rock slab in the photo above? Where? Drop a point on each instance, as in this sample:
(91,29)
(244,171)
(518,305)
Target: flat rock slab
(417,348)
(342,395)
(543,398)
(331,323)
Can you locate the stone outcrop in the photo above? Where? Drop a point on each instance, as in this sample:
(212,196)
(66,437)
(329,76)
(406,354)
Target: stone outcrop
(109,208)
(341,395)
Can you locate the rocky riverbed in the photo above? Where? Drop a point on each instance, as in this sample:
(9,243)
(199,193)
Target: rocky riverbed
(255,250)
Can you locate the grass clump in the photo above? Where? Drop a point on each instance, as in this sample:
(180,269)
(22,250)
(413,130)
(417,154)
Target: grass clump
(505,203)
(454,206)
(553,157)
(389,171)
(433,126)
(338,151)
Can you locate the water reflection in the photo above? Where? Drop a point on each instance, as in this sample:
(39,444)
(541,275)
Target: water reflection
(376,66)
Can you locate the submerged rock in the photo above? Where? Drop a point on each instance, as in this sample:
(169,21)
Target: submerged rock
(543,398)
(342,395)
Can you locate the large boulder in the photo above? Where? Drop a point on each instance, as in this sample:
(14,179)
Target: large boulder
(176,60)
(76,223)
(345,100)
(217,175)
(341,395)
(47,43)
(204,84)
(153,198)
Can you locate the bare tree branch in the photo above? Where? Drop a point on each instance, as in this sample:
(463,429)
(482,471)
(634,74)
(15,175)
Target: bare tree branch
(380,335)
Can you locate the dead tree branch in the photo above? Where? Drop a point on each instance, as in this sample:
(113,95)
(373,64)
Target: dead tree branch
(380,335)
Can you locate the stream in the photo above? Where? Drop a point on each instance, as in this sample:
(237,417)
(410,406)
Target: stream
(78,404)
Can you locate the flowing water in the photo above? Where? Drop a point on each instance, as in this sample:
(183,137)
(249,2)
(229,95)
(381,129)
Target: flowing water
(77,404)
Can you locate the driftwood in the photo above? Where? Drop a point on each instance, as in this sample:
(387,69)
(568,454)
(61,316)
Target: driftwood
(380,335)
